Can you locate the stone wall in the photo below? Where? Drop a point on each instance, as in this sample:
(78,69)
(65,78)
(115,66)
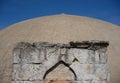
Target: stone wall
(76,62)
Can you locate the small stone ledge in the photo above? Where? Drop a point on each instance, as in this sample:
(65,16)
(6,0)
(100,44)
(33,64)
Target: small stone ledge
(90,45)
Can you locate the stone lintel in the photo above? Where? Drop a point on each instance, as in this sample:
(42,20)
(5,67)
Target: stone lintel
(90,45)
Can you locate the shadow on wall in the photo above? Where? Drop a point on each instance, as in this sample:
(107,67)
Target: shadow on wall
(56,65)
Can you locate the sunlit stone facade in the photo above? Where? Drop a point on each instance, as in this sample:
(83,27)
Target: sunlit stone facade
(75,62)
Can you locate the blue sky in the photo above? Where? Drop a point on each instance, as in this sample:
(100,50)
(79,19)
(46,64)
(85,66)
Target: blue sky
(13,11)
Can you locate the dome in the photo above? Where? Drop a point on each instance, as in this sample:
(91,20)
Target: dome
(59,29)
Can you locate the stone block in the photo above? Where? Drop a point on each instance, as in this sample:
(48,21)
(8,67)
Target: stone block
(78,81)
(35,56)
(98,81)
(86,81)
(84,71)
(16,71)
(101,71)
(52,53)
(69,57)
(63,51)
(28,72)
(95,81)
(103,57)
(83,68)
(89,77)
(81,55)
(27,81)
(97,57)
(16,55)
(22,82)
(91,57)
(22,56)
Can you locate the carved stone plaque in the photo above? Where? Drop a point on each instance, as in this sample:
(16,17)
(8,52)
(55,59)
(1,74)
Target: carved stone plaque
(76,62)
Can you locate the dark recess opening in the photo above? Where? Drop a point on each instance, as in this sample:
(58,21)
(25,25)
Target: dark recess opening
(57,64)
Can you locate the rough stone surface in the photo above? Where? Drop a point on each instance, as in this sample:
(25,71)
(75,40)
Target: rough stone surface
(44,62)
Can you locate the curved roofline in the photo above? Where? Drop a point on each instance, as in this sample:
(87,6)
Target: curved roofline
(85,17)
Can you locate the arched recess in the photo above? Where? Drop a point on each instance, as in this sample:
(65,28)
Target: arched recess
(56,65)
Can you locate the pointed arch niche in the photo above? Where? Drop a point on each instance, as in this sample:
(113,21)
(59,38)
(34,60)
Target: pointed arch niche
(59,73)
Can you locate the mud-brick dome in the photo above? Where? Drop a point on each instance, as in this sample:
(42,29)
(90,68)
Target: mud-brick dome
(59,29)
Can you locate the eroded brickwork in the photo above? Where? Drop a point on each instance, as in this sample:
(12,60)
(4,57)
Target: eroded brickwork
(76,62)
